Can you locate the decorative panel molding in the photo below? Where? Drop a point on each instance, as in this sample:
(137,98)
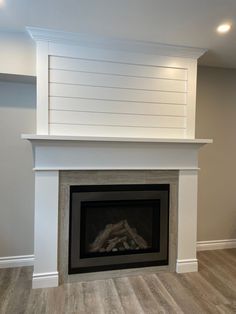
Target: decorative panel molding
(114,88)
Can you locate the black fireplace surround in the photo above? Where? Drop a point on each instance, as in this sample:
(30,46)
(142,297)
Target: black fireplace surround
(118,226)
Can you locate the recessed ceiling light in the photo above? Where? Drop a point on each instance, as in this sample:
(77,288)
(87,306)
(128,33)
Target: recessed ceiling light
(223,28)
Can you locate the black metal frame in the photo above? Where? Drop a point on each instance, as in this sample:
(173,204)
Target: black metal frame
(105,188)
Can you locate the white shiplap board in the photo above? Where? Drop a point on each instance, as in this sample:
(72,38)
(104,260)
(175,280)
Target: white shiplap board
(97,118)
(106,130)
(116,81)
(117,94)
(109,106)
(118,68)
(115,98)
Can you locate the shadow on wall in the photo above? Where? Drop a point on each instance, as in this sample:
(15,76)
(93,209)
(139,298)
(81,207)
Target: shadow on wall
(17,91)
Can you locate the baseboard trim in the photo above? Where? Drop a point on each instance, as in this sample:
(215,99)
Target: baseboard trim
(186,266)
(216,245)
(28,260)
(16,261)
(45,280)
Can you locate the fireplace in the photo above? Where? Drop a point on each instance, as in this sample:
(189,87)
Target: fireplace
(117,112)
(60,163)
(118,226)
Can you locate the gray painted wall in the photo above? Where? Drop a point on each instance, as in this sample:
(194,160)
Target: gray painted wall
(216,118)
(17,115)
(216,115)
(24,61)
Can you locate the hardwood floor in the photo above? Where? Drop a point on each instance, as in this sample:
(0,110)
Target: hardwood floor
(211,290)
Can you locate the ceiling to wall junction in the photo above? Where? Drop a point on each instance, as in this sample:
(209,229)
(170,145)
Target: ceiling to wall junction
(179,22)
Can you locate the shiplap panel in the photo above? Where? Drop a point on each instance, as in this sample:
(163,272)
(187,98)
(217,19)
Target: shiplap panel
(100,119)
(88,105)
(92,92)
(95,79)
(111,95)
(86,130)
(118,68)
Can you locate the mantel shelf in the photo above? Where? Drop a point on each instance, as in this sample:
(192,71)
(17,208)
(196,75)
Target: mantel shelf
(37,137)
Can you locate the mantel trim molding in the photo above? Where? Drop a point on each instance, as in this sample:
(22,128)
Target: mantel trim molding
(37,137)
(52,153)
(61,37)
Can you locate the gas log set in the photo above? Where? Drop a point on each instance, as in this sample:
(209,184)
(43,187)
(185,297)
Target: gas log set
(118,237)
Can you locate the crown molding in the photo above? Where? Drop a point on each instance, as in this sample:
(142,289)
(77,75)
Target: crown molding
(61,37)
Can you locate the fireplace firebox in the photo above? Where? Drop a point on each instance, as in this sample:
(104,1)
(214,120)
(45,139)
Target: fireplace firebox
(118,226)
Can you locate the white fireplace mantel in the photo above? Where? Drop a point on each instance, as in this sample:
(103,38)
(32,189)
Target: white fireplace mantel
(55,153)
(38,137)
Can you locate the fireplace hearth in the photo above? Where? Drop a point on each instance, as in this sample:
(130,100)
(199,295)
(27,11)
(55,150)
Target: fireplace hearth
(118,226)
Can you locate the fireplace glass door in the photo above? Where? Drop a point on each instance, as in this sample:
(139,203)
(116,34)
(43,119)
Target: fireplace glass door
(118,226)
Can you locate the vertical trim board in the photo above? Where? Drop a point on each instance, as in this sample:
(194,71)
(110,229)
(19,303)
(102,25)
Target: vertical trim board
(187,215)
(46,230)
(42,87)
(191,99)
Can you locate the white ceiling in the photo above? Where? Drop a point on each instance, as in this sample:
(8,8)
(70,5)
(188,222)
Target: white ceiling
(179,22)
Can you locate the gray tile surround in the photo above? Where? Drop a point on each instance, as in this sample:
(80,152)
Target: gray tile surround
(89,177)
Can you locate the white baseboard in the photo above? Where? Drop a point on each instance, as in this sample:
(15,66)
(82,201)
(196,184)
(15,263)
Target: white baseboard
(186,266)
(45,280)
(28,260)
(16,261)
(216,245)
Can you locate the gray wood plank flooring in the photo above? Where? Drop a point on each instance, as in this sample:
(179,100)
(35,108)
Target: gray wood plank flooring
(211,290)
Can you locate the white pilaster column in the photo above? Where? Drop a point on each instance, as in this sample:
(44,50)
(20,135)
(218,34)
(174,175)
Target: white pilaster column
(187,222)
(46,229)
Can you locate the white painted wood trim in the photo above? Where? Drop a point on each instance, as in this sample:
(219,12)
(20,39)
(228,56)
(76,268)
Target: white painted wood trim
(216,245)
(155,67)
(88,87)
(101,91)
(43,34)
(191,99)
(42,87)
(16,261)
(46,228)
(109,54)
(112,168)
(113,139)
(45,280)
(115,155)
(79,155)
(187,219)
(187,266)
(28,260)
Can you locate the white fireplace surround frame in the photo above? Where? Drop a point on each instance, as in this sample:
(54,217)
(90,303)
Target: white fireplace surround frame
(135,111)
(55,153)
